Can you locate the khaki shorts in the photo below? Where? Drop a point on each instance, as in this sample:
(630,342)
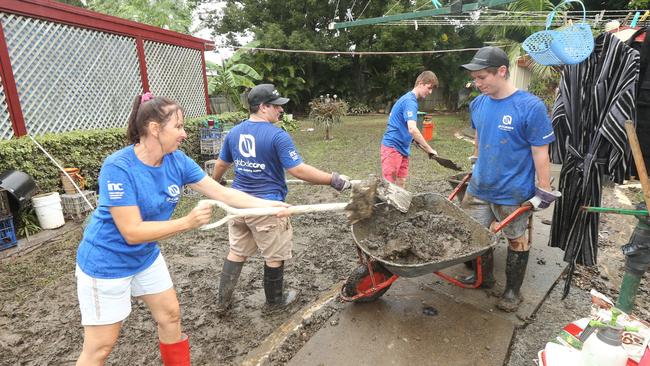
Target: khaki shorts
(485,213)
(270,234)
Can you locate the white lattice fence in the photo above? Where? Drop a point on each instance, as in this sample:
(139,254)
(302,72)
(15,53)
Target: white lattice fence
(70,78)
(6,132)
(177,73)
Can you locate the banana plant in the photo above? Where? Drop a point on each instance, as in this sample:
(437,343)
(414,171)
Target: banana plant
(231,76)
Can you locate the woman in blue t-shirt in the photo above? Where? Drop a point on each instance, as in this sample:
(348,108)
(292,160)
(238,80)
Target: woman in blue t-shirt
(119,257)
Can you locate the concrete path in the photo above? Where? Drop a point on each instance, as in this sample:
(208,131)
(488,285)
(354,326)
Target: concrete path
(395,331)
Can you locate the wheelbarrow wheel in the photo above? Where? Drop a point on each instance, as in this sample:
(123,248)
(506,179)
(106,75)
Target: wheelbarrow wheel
(360,281)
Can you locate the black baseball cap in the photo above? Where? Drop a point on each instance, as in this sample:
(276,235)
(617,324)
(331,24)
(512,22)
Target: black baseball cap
(489,56)
(265,94)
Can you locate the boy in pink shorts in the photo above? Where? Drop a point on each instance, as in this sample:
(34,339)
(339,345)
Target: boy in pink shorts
(402,129)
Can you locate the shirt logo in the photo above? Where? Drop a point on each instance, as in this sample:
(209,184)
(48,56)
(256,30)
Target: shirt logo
(506,123)
(174,190)
(293,154)
(409,114)
(247,146)
(115,190)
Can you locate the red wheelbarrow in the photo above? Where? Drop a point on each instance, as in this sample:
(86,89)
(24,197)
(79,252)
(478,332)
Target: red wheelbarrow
(375,275)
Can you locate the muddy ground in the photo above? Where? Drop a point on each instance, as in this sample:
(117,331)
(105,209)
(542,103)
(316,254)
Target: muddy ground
(39,315)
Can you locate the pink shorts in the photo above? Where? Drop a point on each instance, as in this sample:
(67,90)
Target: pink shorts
(393,164)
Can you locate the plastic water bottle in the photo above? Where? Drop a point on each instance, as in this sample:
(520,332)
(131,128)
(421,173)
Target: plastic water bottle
(603,348)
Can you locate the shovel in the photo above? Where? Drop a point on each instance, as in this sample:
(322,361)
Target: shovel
(442,161)
(233,213)
(364,197)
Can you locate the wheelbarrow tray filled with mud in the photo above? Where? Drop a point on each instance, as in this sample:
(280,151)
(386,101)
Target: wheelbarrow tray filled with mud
(480,238)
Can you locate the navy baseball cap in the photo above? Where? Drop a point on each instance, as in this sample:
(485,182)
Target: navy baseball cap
(265,94)
(489,56)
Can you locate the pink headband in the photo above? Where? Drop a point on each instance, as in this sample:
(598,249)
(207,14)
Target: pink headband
(145,97)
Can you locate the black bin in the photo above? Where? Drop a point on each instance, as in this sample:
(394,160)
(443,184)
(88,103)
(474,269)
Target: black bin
(20,188)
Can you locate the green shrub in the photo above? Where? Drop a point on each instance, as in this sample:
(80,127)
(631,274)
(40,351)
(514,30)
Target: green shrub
(85,150)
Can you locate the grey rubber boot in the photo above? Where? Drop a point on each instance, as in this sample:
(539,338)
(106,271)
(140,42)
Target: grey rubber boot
(274,288)
(515,272)
(487,269)
(229,276)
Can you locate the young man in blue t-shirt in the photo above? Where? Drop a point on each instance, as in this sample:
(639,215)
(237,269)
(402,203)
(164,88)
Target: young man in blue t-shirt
(513,131)
(260,153)
(402,128)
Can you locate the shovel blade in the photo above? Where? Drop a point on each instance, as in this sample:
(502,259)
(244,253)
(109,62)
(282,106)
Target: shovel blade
(447,163)
(394,195)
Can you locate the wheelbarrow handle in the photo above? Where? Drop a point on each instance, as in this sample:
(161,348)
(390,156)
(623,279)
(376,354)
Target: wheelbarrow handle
(503,223)
(300,182)
(233,212)
(459,186)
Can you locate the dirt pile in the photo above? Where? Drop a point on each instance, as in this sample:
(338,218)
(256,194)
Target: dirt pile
(420,237)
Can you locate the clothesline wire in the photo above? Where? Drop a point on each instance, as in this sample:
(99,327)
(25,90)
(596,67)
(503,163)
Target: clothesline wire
(355,53)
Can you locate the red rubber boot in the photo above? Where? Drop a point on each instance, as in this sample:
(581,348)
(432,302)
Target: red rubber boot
(176,354)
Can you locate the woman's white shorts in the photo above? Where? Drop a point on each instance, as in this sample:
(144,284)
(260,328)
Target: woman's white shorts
(108,301)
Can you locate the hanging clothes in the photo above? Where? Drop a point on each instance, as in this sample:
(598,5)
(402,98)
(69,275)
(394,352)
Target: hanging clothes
(642,44)
(595,99)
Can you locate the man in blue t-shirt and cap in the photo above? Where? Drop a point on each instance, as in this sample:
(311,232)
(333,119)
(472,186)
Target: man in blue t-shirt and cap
(513,131)
(260,153)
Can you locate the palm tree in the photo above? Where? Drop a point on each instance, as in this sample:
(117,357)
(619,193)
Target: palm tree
(231,76)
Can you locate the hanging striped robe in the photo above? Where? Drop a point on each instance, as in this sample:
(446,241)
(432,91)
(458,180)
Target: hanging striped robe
(595,99)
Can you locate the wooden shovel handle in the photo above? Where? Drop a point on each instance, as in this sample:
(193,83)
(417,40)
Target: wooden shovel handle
(267,211)
(638,160)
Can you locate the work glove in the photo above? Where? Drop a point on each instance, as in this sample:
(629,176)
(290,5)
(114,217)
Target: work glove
(543,198)
(340,182)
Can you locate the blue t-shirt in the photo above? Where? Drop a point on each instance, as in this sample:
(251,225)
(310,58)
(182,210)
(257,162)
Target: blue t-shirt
(507,128)
(260,152)
(397,133)
(124,180)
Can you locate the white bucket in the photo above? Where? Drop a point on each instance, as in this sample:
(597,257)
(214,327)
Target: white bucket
(48,210)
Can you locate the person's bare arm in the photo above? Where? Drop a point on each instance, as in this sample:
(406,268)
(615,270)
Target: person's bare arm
(136,231)
(232,197)
(310,174)
(417,136)
(542,166)
(220,168)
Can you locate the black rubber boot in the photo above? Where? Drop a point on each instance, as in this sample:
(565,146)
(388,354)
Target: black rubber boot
(273,288)
(229,276)
(515,272)
(487,268)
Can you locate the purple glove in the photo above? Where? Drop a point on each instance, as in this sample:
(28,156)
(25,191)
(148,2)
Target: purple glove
(544,198)
(340,182)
